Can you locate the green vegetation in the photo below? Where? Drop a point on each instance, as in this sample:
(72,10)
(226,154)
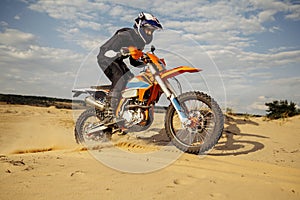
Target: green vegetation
(230,111)
(281,109)
(38,101)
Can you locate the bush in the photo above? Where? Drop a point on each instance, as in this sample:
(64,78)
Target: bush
(281,109)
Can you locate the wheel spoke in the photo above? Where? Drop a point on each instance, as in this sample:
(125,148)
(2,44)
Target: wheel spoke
(204,116)
(205,123)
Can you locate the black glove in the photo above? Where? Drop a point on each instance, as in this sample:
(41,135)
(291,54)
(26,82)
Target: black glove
(136,63)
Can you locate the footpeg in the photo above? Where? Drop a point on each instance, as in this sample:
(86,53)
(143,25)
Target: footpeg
(100,127)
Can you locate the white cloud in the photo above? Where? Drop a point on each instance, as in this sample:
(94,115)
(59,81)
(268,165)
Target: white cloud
(82,17)
(293,82)
(15,37)
(246,17)
(259,104)
(270,4)
(281,89)
(281,49)
(294,16)
(294,13)
(274,29)
(3,24)
(117,11)
(267,15)
(215,23)
(28,68)
(89,24)
(278,59)
(39,58)
(17,17)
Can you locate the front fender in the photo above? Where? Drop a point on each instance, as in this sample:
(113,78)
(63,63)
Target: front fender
(178,70)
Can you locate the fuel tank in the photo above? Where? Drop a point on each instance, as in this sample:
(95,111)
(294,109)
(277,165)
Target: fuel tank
(137,84)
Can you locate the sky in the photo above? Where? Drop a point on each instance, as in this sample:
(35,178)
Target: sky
(249,50)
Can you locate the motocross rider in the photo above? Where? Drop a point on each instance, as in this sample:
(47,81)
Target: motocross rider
(115,50)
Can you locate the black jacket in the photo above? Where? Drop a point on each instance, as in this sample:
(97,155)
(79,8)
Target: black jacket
(124,37)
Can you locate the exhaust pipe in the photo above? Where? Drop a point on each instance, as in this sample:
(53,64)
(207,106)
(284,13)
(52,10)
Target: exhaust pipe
(91,101)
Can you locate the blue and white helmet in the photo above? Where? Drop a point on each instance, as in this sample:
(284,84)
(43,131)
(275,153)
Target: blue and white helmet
(146,24)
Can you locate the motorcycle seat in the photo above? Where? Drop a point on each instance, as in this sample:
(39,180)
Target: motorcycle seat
(101,87)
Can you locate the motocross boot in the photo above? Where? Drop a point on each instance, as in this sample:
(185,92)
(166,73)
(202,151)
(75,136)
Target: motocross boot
(111,106)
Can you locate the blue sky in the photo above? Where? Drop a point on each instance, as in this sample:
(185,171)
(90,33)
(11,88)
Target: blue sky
(249,50)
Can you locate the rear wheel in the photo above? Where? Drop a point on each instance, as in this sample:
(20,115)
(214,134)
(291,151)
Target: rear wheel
(86,121)
(205,127)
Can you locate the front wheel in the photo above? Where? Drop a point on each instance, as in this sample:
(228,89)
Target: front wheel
(205,127)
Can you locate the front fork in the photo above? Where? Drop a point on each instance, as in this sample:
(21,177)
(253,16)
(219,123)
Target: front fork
(182,116)
(170,93)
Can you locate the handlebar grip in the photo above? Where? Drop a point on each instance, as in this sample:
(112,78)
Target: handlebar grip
(135,53)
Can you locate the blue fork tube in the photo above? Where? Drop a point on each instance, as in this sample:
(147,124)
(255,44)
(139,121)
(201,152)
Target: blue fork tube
(170,95)
(182,116)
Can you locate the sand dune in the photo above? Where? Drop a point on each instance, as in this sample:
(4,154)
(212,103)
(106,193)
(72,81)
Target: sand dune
(39,159)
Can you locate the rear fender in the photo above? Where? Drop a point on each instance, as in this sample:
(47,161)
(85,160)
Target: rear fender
(178,70)
(91,91)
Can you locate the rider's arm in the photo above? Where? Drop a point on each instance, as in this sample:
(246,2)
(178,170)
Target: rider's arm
(110,50)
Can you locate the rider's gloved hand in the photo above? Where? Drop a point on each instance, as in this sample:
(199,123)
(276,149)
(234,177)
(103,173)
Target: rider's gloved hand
(131,51)
(135,53)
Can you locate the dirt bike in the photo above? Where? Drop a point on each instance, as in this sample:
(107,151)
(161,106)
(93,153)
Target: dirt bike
(193,121)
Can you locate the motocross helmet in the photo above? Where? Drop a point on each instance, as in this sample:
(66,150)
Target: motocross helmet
(146,24)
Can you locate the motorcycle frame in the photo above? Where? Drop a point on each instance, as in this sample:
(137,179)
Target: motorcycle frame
(157,75)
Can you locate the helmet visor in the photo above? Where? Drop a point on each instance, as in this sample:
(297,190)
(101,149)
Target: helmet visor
(153,23)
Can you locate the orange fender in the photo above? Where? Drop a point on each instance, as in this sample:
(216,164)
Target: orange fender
(178,70)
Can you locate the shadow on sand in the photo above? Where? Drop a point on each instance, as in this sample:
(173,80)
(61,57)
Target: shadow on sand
(160,138)
(232,142)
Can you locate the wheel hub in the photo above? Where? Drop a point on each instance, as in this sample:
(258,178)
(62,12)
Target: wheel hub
(196,122)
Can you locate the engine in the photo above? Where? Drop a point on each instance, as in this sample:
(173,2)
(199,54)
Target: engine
(133,112)
(133,117)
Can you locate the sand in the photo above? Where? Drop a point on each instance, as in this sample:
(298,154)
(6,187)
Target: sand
(39,159)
